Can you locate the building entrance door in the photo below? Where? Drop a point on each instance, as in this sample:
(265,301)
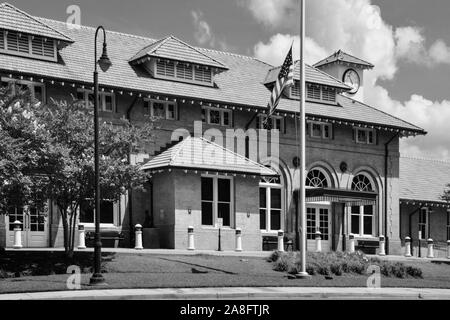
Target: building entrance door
(34,227)
(318,219)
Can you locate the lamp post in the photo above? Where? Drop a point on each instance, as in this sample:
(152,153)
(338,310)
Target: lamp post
(104,64)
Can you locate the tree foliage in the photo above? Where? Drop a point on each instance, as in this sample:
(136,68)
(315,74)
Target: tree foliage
(47,152)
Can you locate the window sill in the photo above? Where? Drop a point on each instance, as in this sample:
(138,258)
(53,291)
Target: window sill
(91,226)
(216,228)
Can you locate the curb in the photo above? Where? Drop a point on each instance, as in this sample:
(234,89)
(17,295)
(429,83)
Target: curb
(243,293)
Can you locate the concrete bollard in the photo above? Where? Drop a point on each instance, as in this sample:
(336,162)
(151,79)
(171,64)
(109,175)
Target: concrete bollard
(318,241)
(81,237)
(191,245)
(238,239)
(17,235)
(382,246)
(351,246)
(138,237)
(280,240)
(448,249)
(407,247)
(430,251)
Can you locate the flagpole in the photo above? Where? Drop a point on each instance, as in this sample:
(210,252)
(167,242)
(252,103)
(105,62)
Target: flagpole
(302,168)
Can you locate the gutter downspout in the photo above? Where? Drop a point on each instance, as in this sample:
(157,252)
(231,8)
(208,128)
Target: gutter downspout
(130,192)
(386,162)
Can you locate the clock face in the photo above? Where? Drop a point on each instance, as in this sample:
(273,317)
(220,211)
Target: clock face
(351,78)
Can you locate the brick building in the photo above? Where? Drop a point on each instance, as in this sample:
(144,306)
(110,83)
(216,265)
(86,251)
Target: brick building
(352,152)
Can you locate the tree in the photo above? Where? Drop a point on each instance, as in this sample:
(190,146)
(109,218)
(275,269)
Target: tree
(70,128)
(446,195)
(23,151)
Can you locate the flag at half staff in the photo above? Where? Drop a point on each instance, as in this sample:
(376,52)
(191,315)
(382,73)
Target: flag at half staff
(285,79)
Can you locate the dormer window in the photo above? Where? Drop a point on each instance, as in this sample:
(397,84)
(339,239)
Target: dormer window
(26,45)
(173,59)
(186,72)
(321,93)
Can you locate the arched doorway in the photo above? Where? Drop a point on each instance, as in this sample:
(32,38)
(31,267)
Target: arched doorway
(318,214)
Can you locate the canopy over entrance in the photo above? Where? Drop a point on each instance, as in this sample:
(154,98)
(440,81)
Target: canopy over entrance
(349,197)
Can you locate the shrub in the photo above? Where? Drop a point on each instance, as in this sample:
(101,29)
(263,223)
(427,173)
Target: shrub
(274,256)
(284,263)
(414,272)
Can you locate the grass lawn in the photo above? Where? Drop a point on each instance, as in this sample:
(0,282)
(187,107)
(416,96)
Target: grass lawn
(158,271)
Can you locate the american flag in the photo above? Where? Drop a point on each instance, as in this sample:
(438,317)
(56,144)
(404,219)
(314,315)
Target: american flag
(285,79)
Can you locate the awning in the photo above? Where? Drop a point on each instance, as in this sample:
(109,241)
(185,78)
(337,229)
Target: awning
(348,197)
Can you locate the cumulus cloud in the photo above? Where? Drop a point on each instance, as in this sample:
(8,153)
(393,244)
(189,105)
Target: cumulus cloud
(203,34)
(356,26)
(274,13)
(274,51)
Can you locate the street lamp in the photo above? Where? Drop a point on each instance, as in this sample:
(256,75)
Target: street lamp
(104,64)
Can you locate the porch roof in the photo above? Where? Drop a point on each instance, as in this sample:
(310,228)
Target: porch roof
(200,154)
(349,197)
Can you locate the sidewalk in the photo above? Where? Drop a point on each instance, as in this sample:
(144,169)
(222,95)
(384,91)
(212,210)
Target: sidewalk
(239,293)
(177,252)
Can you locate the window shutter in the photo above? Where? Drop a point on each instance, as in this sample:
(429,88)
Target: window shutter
(284,125)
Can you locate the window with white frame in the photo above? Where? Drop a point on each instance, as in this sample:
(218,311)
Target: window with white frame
(107,100)
(317,219)
(162,109)
(362,217)
(270,204)
(35,89)
(217,200)
(27,45)
(108,213)
(423,223)
(320,130)
(275,122)
(217,116)
(364,135)
(294,91)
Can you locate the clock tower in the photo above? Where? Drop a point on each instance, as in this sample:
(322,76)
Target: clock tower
(348,69)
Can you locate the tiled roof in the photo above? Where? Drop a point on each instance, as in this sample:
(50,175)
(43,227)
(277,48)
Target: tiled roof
(423,180)
(201,154)
(342,56)
(241,85)
(313,75)
(14,19)
(175,49)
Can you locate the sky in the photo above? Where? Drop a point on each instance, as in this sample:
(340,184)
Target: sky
(408,41)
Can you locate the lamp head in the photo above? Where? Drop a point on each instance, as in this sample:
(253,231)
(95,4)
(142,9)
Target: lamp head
(104,61)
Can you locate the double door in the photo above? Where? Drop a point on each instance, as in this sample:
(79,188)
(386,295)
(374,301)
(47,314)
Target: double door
(318,219)
(33,224)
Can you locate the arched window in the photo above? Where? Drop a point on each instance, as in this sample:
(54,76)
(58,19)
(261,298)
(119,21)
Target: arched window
(362,183)
(317,179)
(362,217)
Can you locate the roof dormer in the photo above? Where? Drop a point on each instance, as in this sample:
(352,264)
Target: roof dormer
(173,59)
(24,35)
(320,87)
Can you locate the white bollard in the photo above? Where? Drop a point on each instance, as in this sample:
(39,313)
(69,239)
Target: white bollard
(280,240)
(81,237)
(382,246)
(448,249)
(191,245)
(407,247)
(138,237)
(351,239)
(318,241)
(17,235)
(430,251)
(238,239)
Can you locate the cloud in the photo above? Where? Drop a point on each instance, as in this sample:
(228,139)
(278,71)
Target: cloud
(275,50)
(274,13)
(203,34)
(357,27)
